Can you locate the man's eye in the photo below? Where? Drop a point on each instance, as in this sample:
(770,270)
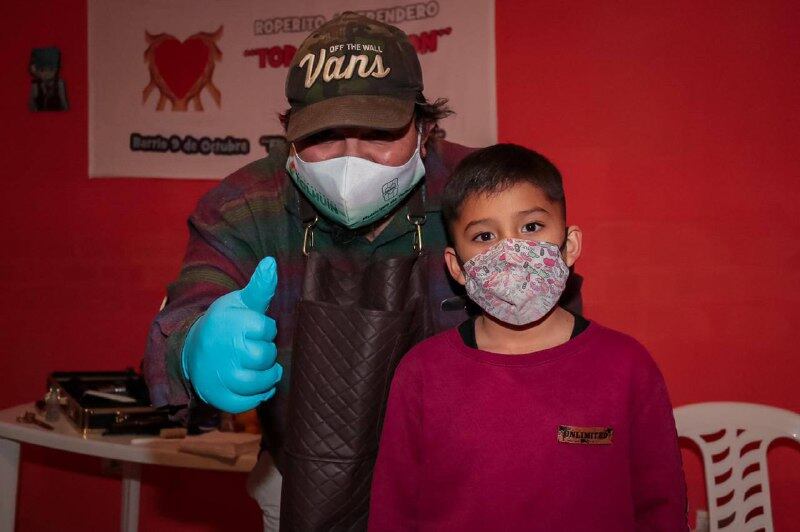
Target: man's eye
(531,227)
(378,136)
(482,237)
(323,136)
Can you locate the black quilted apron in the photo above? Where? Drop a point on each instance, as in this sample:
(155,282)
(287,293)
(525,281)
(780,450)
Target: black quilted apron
(356,319)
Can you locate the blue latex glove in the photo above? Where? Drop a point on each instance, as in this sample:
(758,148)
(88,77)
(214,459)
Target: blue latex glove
(229,353)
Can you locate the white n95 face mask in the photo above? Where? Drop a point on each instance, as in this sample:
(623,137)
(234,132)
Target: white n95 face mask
(353,191)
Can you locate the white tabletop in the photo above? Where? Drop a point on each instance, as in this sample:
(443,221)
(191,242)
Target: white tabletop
(67,437)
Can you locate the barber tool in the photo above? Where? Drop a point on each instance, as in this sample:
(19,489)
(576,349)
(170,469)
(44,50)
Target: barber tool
(111,402)
(111,396)
(151,424)
(52,406)
(30,417)
(454,303)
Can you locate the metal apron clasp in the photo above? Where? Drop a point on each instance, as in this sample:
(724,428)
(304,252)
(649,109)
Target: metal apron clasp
(418,222)
(308,235)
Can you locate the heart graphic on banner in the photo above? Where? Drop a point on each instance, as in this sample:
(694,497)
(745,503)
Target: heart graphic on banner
(181,64)
(182,70)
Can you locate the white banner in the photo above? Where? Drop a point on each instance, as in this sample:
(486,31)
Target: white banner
(193,89)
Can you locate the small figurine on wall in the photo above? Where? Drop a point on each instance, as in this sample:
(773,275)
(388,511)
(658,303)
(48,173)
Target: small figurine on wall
(48,92)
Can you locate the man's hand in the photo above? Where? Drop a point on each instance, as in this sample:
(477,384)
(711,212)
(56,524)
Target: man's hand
(229,353)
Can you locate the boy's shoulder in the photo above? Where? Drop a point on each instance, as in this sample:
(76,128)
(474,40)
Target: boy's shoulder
(607,335)
(433,346)
(433,350)
(620,348)
(610,347)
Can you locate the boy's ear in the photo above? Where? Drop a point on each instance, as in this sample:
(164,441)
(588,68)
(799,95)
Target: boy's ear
(573,245)
(451,259)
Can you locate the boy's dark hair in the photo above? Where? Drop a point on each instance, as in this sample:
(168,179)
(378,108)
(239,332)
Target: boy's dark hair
(494,169)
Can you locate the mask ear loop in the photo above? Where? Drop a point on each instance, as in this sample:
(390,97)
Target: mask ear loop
(563,246)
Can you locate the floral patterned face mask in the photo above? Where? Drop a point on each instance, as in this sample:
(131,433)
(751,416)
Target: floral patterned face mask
(517,281)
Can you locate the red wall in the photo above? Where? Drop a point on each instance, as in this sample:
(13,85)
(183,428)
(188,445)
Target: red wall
(677,131)
(676,126)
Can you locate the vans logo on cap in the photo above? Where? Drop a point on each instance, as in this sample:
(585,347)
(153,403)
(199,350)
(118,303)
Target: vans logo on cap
(585,435)
(334,67)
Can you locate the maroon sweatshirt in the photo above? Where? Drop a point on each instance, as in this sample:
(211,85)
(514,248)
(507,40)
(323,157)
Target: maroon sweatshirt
(575,437)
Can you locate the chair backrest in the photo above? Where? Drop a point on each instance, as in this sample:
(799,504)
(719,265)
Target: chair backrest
(733,438)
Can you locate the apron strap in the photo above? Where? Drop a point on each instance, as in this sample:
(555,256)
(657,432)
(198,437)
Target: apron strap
(416,217)
(307,212)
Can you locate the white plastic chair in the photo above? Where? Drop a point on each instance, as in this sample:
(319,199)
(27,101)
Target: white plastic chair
(733,438)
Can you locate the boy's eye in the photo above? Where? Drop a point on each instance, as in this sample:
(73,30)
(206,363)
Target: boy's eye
(531,227)
(482,237)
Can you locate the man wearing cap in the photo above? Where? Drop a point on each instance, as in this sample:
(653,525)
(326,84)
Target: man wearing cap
(310,272)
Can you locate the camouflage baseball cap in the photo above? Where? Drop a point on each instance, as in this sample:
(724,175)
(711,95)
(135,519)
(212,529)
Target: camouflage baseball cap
(352,71)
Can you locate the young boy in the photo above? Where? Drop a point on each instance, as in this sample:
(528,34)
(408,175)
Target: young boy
(527,417)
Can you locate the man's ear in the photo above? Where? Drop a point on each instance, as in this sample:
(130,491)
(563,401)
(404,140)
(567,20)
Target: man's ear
(573,245)
(453,266)
(425,130)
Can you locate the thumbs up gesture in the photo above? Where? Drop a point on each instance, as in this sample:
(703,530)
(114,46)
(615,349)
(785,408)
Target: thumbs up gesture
(229,353)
